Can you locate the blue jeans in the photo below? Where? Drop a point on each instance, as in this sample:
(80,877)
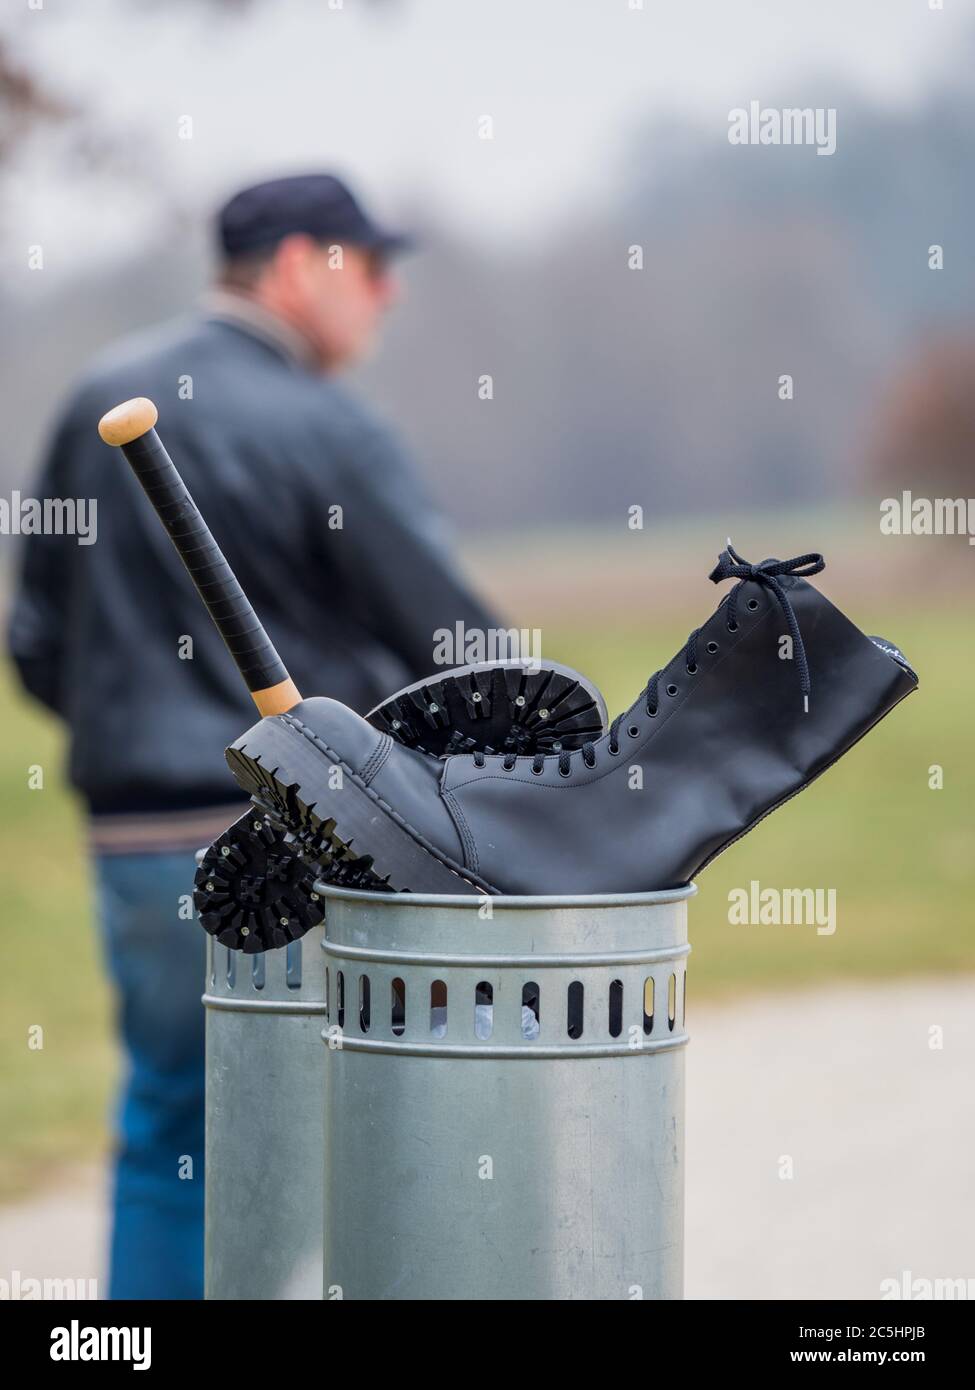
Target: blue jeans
(157,961)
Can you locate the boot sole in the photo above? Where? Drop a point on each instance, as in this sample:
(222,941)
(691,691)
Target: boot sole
(285,768)
(501,707)
(254,891)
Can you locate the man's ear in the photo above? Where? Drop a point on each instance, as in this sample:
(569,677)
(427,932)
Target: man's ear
(291,260)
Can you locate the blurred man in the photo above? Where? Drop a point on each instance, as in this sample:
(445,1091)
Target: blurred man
(320,515)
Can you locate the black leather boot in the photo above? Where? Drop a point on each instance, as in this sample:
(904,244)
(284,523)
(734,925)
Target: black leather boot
(771,691)
(255,886)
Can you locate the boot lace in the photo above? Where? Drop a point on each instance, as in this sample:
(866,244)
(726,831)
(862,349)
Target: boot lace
(730,565)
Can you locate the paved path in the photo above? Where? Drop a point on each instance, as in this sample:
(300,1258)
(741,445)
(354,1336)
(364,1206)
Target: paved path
(879,1128)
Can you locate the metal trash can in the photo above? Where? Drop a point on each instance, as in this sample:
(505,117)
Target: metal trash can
(264,1114)
(504,1103)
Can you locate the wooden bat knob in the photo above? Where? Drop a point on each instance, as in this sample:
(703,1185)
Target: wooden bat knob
(128,421)
(130,426)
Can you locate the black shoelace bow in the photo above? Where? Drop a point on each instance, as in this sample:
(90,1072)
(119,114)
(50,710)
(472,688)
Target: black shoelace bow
(730,565)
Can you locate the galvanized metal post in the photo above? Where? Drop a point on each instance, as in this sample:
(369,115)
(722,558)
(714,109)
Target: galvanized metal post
(504,1104)
(264,1115)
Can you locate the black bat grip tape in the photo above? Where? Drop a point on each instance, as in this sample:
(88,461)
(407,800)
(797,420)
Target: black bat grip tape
(235,619)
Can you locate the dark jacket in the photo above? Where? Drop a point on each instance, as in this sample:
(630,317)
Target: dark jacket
(269,451)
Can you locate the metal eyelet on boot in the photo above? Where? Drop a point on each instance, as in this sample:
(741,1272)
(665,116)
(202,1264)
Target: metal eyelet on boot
(732,627)
(753,604)
(691,670)
(565,774)
(634,731)
(672,690)
(614,752)
(712,648)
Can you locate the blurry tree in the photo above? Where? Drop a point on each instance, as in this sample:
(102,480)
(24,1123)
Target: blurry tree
(926,424)
(24,103)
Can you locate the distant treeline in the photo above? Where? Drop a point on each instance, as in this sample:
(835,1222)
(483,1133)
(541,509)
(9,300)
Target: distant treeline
(748,360)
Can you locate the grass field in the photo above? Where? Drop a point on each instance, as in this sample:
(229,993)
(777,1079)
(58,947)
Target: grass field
(54,1097)
(900,856)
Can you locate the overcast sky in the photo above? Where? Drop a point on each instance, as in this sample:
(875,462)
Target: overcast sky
(392,92)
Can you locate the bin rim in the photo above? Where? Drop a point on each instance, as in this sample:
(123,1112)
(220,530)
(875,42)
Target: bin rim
(502,901)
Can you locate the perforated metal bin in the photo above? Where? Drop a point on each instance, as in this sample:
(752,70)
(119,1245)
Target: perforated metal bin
(504,1103)
(264,1116)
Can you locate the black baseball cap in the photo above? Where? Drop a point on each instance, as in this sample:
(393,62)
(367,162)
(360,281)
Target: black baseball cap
(319,205)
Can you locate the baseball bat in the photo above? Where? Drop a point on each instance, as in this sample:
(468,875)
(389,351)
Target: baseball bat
(131,427)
